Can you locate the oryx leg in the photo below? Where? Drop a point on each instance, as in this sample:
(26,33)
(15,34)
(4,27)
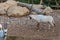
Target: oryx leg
(38,25)
(50,24)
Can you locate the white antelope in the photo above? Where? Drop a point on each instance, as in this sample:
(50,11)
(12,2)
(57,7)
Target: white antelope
(43,18)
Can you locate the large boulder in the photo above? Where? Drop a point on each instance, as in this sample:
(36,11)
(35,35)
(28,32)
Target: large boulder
(11,3)
(8,4)
(4,6)
(2,12)
(17,11)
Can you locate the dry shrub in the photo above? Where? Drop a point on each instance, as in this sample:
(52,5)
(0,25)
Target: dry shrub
(47,10)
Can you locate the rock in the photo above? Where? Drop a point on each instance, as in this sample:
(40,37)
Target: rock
(4,6)
(8,4)
(17,11)
(34,13)
(38,6)
(2,11)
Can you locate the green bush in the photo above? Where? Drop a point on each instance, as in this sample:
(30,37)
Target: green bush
(30,1)
(38,1)
(58,1)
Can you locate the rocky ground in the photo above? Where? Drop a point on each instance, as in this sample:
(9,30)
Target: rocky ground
(25,28)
